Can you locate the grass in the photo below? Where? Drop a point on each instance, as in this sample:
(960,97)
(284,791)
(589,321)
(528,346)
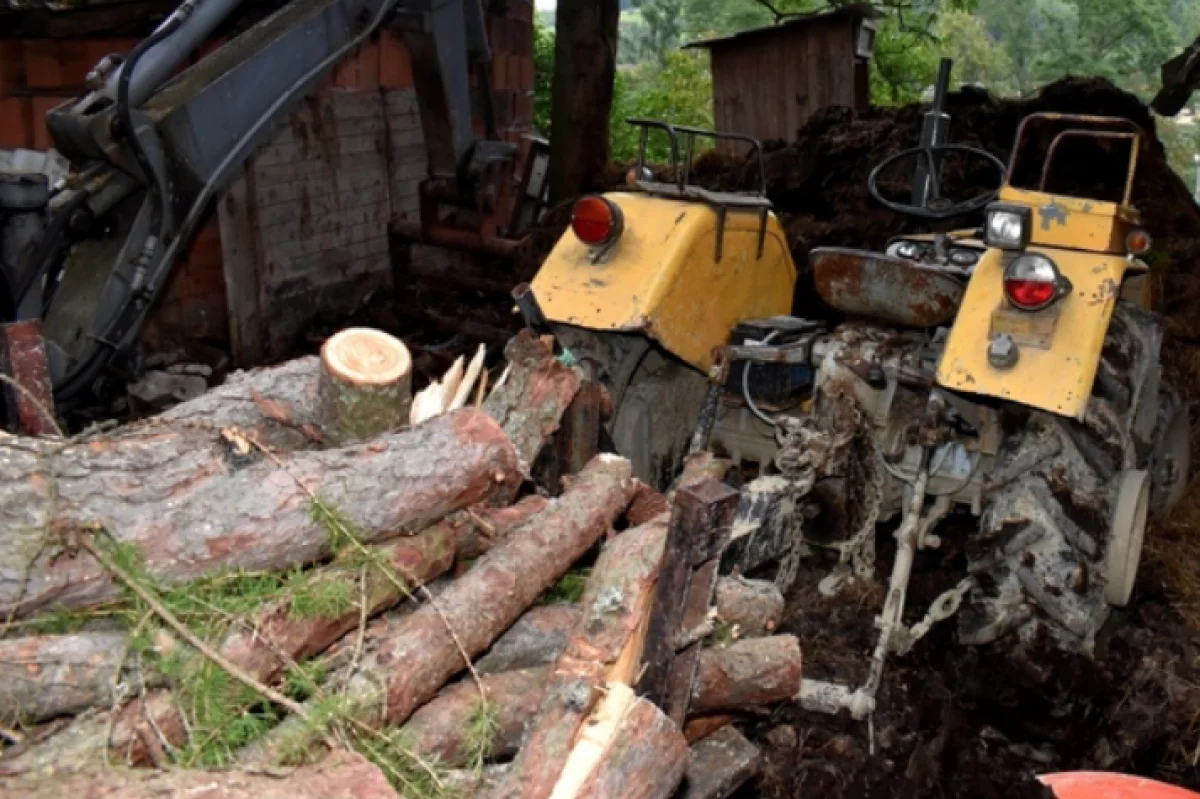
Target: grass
(568,589)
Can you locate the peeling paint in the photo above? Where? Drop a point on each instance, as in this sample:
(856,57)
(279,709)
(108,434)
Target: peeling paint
(1053,213)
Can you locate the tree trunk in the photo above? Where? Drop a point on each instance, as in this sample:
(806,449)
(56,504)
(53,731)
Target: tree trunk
(585,63)
(440,727)
(193,501)
(750,673)
(342,775)
(264,647)
(43,677)
(604,648)
(365,388)
(409,668)
(537,639)
(531,402)
(754,606)
(643,758)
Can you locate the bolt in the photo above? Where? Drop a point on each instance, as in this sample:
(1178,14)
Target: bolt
(1003,352)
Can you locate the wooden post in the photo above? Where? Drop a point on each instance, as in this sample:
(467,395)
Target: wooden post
(365,387)
(585,65)
(23,359)
(700,519)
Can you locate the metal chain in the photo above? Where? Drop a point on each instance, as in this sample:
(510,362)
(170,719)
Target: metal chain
(941,609)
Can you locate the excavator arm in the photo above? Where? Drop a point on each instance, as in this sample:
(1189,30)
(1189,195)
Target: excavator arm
(148,152)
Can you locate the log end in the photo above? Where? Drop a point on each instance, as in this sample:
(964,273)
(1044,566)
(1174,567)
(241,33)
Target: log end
(363,356)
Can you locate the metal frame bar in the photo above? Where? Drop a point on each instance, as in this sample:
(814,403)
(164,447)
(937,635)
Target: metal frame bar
(1120,125)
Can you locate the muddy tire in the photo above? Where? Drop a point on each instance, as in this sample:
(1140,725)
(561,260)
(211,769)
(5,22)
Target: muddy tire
(656,399)
(1061,534)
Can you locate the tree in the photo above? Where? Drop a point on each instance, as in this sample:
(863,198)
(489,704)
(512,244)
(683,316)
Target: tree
(978,58)
(585,63)
(662,25)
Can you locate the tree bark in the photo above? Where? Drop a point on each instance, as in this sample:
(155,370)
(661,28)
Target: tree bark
(194,501)
(531,402)
(585,64)
(365,387)
(644,759)
(719,765)
(409,668)
(750,673)
(264,647)
(537,639)
(42,677)
(754,606)
(439,728)
(342,775)
(603,648)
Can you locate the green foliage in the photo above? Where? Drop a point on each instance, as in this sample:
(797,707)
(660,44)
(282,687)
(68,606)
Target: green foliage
(651,30)
(543,65)
(568,589)
(678,90)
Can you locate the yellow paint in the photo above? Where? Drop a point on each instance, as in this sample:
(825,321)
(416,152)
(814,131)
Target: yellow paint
(1075,223)
(1058,378)
(661,277)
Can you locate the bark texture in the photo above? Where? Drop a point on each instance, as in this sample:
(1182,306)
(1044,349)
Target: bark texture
(42,677)
(439,729)
(750,673)
(719,765)
(755,606)
(410,667)
(531,403)
(615,606)
(195,501)
(342,775)
(537,639)
(645,759)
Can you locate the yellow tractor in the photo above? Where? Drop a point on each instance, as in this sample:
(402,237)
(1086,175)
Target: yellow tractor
(1008,373)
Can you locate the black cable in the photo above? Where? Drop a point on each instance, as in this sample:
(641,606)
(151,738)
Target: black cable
(39,260)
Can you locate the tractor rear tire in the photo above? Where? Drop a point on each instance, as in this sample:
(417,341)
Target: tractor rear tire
(1065,511)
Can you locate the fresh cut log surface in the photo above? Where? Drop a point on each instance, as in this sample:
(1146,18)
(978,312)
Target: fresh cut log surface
(195,501)
(342,775)
(410,667)
(365,387)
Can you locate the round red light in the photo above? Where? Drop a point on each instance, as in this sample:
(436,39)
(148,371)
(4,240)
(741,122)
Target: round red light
(595,220)
(1031,294)
(1138,242)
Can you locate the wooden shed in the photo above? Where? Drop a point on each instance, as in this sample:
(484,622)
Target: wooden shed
(768,81)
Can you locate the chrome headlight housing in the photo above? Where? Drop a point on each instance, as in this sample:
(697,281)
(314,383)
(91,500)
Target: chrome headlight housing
(1008,227)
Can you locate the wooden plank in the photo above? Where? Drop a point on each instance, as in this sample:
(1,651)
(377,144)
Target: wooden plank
(698,515)
(682,677)
(242,262)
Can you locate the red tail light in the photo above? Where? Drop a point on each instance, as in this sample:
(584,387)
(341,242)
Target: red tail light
(1032,282)
(596,221)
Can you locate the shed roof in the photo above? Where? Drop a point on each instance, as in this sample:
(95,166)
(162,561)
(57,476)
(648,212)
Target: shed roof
(856,11)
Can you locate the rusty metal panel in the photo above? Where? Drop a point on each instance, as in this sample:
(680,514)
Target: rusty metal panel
(886,289)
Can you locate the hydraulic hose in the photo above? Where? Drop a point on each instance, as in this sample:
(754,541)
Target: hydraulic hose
(39,260)
(86,371)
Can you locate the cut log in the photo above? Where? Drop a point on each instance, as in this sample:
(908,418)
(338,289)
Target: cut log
(754,606)
(642,757)
(440,726)
(365,387)
(719,765)
(277,405)
(342,775)
(42,677)
(408,669)
(750,673)
(530,403)
(537,639)
(478,529)
(439,729)
(272,638)
(604,650)
(193,502)
(697,468)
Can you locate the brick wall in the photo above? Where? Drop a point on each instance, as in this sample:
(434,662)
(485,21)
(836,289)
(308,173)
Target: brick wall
(304,230)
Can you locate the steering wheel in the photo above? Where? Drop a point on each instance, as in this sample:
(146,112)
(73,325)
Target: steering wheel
(936,207)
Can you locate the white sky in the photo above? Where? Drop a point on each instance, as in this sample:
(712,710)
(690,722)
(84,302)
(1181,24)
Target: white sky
(545,5)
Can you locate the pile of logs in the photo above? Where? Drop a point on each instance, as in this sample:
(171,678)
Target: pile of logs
(323,467)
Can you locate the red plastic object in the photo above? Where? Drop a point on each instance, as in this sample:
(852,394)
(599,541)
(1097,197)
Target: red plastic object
(595,220)
(1107,785)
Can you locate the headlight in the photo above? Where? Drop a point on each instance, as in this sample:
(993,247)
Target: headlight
(1008,227)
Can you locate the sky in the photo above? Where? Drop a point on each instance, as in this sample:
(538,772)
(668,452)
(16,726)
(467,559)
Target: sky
(545,5)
